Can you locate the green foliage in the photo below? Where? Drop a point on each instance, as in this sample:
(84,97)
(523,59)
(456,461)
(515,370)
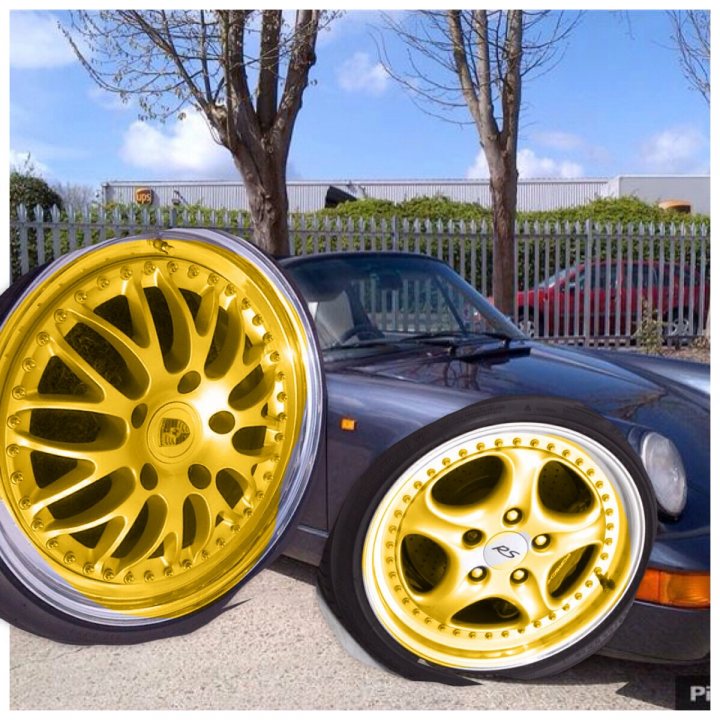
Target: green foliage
(30,190)
(623,210)
(649,335)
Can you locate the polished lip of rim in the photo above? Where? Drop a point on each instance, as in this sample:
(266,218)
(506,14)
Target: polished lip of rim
(628,492)
(17,550)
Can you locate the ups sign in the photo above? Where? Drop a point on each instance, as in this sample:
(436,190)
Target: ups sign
(143,196)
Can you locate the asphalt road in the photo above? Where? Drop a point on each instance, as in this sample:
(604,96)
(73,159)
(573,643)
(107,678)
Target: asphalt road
(277,651)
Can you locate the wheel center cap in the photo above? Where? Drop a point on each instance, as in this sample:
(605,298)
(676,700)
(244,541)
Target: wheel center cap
(505,548)
(172,432)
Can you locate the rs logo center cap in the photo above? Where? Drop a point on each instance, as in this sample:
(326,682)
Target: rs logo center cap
(506,548)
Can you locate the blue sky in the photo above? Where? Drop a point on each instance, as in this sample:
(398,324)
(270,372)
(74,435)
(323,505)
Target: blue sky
(616,103)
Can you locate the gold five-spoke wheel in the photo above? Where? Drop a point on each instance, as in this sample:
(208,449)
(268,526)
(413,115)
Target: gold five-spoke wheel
(503,547)
(154,406)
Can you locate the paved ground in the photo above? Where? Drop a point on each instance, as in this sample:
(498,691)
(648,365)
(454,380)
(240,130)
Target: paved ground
(276,651)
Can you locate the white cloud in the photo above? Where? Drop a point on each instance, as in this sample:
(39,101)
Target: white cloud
(183,150)
(479,169)
(22,160)
(676,150)
(530,165)
(36,41)
(359,73)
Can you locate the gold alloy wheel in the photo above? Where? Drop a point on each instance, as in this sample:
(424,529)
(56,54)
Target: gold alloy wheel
(503,547)
(157,435)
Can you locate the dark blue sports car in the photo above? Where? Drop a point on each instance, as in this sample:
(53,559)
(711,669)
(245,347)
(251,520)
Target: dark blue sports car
(179,408)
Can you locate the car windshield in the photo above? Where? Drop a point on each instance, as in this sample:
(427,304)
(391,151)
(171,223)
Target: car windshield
(381,300)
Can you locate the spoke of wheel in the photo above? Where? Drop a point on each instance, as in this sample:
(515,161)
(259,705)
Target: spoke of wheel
(588,529)
(143,324)
(452,594)
(68,484)
(205,323)
(182,323)
(531,597)
(424,517)
(120,501)
(112,536)
(233,345)
(518,487)
(150,537)
(204,523)
(74,403)
(60,348)
(131,353)
(106,453)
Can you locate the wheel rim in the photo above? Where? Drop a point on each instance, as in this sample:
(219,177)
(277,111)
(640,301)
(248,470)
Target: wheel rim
(503,547)
(157,437)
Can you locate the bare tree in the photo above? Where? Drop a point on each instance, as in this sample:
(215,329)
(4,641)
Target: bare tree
(691,35)
(212,59)
(75,195)
(478,59)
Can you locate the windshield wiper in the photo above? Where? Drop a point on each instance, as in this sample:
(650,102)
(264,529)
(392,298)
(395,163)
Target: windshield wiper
(454,335)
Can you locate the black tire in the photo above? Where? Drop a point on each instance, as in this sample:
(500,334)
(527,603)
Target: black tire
(344,571)
(160,430)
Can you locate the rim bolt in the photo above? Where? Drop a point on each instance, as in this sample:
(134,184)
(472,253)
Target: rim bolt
(193,271)
(37,525)
(213,279)
(280,375)
(478,573)
(88,568)
(551,446)
(102,282)
(13,421)
(274,357)
(80,296)
(126,272)
(187,564)
(172,266)
(267,477)
(149,577)
(513,516)
(282,417)
(472,537)
(69,558)
(220,542)
(149,268)
(541,541)
(129,578)
(520,575)
(279,437)
(282,397)
(43,338)
(235,528)
(463,453)
(52,544)
(167,572)
(230,290)
(28,364)
(245,304)
(16,478)
(566,453)
(534,443)
(259,494)
(60,316)
(275,458)
(247,512)
(517,441)
(267,338)
(24,503)
(488,635)
(257,320)
(108,575)
(18,392)
(204,555)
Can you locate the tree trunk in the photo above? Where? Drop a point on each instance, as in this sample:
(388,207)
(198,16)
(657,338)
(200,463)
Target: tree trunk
(503,187)
(268,201)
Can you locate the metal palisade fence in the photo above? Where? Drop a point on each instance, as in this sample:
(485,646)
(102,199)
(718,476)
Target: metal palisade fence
(575,282)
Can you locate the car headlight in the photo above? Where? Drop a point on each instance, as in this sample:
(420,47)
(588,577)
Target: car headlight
(666,471)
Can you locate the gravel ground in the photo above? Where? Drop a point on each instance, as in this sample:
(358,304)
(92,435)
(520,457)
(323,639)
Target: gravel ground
(276,651)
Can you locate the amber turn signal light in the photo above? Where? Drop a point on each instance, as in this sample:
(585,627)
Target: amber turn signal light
(348,424)
(689,590)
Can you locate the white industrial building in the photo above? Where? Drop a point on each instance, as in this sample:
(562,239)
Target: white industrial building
(311,195)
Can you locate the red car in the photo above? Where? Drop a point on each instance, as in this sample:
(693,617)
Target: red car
(620,292)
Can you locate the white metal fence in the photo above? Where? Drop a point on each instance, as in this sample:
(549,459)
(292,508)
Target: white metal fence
(580,282)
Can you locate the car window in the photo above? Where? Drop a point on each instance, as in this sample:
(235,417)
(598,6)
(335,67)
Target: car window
(598,275)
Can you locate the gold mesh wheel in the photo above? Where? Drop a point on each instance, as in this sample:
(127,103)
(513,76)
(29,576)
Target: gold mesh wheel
(160,418)
(503,547)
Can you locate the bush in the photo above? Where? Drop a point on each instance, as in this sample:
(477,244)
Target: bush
(30,190)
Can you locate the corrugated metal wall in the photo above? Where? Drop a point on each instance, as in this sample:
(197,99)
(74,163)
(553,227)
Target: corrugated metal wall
(307,196)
